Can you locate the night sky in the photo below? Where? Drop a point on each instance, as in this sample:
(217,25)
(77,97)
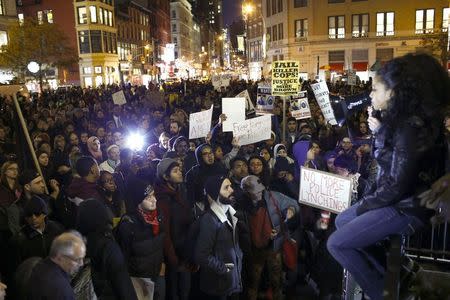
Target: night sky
(231,11)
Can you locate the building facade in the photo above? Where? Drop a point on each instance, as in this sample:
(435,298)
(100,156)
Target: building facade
(8,15)
(181,22)
(256,40)
(159,27)
(338,35)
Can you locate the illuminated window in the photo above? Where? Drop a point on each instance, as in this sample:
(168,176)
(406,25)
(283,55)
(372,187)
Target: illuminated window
(82,15)
(424,21)
(83,39)
(445,17)
(88,81)
(49,14)
(2,8)
(21,19)
(110,23)
(87,70)
(3,38)
(98,70)
(40,17)
(336,27)
(93,13)
(100,15)
(301,28)
(360,25)
(385,24)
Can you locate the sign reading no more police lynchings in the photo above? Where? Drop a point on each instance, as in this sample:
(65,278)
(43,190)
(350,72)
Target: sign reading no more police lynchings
(285,78)
(324,190)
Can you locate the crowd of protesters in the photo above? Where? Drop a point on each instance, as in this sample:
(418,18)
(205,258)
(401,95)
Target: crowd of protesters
(179,219)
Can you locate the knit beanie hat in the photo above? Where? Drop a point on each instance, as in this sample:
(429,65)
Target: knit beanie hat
(137,190)
(282,164)
(213,185)
(35,206)
(27,176)
(165,166)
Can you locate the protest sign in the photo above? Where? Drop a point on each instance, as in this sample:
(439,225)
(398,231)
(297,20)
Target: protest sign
(325,190)
(351,77)
(323,99)
(119,98)
(219,81)
(249,107)
(253,130)
(300,106)
(234,109)
(200,123)
(285,78)
(264,99)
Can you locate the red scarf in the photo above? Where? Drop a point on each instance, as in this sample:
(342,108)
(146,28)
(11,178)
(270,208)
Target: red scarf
(151,218)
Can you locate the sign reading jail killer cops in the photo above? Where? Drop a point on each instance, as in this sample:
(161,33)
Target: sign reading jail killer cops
(325,190)
(323,99)
(285,78)
(200,123)
(253,130)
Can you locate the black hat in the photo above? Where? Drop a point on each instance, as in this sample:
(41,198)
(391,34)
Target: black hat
(27,176)
(282,164)
(213,185)
(346,162)
(137,190)
(35,206)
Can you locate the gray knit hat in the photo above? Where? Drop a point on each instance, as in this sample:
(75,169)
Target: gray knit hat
(164,167)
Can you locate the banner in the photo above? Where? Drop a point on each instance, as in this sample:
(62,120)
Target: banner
(253,130)
(300,106)
(323,99)
(234,109)
(264,99)
(200,123)
(249,107)
(325,190)
(119,98)
(285,78)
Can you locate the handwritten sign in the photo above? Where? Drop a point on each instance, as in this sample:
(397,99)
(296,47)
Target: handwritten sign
(351,79)
(200,123)
(119,98)
(325,190)
(249,107)
(253,130)
(234,109)
(300,106)
(323,99)
(285,78)
(264,99)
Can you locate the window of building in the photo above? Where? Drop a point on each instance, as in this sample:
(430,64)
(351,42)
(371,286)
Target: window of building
(445,18)
(301,28)
(384,54)
(110,19)
(336,56)
(82,15)
(106,42)
(336,27)
(300,3)
(114,43)
(105,16)
(268,34)
(174,14)
(268,8)
(98,70)
(40,17)
(100,15)
(83,39)
(336,1)
(360,25)
(142,35)
(274,33)
(385,23)
(88,81)
(93,13)
(21,18)
(2,8)
(3,38)
(280,31)
(87,70)
(96,41)
(280,6)
(274,7)
(49,15)
(424,21)
(175,40)
(174,27)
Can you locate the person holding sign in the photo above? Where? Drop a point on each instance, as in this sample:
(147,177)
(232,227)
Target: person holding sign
(408,95)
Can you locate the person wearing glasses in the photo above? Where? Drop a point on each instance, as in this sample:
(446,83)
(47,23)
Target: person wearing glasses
(50,278)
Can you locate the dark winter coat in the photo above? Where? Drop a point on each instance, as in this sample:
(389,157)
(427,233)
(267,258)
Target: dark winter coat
(217,245)
(409,160)
(178,218)
(82,189)
(143,251)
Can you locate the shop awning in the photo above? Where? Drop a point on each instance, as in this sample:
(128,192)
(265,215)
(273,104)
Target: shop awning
(337,67)
(360,66)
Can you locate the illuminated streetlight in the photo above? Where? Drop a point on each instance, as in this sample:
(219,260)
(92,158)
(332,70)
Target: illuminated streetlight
(247,8)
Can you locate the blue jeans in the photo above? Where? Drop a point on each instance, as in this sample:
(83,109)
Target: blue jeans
(354,233)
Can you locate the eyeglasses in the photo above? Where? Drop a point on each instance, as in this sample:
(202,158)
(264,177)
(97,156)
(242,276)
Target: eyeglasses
(79,260)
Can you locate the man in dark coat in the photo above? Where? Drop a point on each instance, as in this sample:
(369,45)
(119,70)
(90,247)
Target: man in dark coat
(217,250)
(50,278)
(85,187)
(196,177)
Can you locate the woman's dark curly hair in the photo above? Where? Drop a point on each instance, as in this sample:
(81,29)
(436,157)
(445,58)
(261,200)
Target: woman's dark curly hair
(420,87)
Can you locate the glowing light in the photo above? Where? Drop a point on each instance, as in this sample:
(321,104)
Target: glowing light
(33,67)
(135,141)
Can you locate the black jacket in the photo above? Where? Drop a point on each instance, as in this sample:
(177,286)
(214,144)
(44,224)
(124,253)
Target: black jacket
(48,281)
(410,159)
(143,251)
(217,245)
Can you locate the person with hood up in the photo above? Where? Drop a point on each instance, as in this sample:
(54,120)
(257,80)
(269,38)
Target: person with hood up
(279,151)
(93,149)
(178,218)
(266,227)
(217,251)
(141,237)
(283,178)
(197,175)
(109,269)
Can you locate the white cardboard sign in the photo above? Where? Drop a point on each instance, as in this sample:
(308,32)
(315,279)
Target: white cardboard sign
(200,123)
(253,130)
(325,190)
(234,109)
(119,98)
(300,107)
(248,104)
(323,99)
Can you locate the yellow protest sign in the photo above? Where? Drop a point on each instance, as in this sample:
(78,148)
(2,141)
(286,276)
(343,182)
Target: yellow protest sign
(285,78)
